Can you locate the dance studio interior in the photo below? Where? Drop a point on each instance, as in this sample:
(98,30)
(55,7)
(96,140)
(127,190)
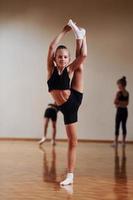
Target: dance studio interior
(95,150)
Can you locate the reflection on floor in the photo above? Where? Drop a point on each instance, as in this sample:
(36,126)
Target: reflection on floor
(28,172)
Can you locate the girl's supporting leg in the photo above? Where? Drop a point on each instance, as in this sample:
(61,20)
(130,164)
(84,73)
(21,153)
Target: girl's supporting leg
(117,127)
(116,140)
(54,133)
(46,122)
(124,128)
(72,143)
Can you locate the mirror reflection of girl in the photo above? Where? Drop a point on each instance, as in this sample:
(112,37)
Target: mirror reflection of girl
(65,84)
(121,102)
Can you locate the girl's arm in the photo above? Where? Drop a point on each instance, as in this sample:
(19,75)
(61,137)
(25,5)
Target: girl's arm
(52,48)
(80,57)
(116,101)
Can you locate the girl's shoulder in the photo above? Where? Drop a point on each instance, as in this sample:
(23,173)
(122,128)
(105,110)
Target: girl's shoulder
(127,93)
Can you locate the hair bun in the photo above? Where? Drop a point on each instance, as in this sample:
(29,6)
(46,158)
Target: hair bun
(122,81)
(124,77)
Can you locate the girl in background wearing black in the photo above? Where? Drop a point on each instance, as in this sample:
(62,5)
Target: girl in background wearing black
(121,102)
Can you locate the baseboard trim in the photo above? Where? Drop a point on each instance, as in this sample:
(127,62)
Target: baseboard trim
(60,140)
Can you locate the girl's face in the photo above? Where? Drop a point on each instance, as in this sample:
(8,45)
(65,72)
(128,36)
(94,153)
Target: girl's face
(62,58)
(120,87)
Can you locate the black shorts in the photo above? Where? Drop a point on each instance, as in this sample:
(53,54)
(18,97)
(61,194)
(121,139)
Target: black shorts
(71,106)
(51,113)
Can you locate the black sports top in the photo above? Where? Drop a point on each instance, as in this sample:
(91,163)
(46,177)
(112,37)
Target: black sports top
(59,82)
(122,97)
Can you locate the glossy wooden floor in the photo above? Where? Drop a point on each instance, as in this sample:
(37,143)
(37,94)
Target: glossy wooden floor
(30,173)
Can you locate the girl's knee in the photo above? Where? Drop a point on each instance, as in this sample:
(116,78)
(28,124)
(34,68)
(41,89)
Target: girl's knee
(46,124)
(54,125)
(73,142)
(46,121)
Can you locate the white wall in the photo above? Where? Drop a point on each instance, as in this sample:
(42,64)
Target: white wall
(26,29)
